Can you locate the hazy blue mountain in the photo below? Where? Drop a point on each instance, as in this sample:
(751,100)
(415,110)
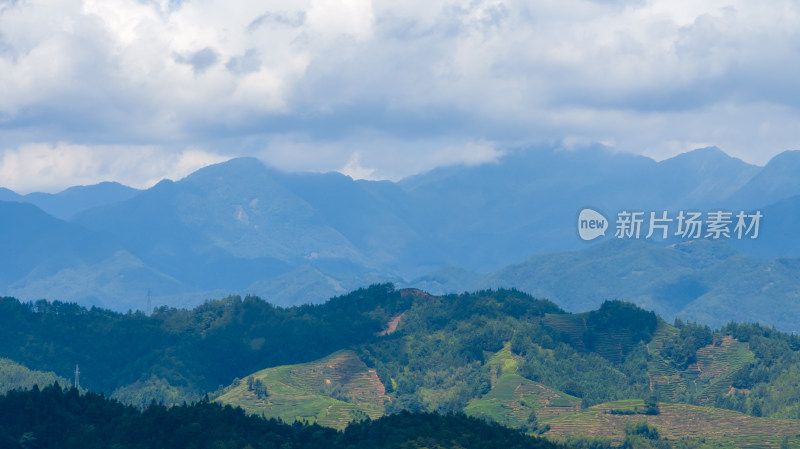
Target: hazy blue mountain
(485,216)
(76,199)
(242,227)
(778,180)
(242,222)
(169,227)
(527,203)
(705,281)
(446,280)
(9,195)
(121,282)
(778,233)
(49,258)
(705,178)
(372,216)
(225,226)
(308,284)
(32,239)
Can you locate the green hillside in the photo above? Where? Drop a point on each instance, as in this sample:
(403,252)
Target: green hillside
(175,355)
(677,421)
(14,376)
(65,419)
(331,392)
(521,362)
(500,355)
(709,376)
(515,401)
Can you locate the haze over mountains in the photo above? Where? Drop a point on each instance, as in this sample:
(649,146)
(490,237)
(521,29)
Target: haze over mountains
(242,227)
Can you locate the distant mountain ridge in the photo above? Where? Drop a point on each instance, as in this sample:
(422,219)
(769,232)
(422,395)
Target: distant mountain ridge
(702,281)
(241,226)
(67,203)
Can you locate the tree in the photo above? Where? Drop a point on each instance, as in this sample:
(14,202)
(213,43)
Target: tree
(651,405)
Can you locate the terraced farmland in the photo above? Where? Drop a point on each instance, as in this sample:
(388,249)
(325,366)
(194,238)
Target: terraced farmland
(612,344)
(572,325)
(331,391)
(665,379)
(513,398)
(710,375)
(678,421)
(716,366)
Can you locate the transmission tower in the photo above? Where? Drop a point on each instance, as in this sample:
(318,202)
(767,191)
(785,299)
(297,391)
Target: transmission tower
(77,377)
(148,311)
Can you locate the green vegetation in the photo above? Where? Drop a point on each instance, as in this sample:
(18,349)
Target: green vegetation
(178,355)
(14,376)
(516,401)
(678,425)
(332,391)
(53,417)
(501,356)
(650,408)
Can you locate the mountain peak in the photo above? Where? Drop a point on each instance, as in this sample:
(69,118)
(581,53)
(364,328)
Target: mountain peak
(790,157)
(240,167)
(105,186)
(705,155)
(776,181)
(9,195)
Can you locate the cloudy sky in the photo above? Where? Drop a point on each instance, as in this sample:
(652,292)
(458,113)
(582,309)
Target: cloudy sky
(138,90)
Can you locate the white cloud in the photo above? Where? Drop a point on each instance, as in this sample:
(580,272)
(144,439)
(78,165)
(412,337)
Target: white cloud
(51,168)
(357,156)
(354,169)
(308,83)
(335,18)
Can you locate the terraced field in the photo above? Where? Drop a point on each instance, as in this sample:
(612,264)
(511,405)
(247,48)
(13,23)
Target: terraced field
(678,421)
(512,397)
(572,325)
(331,391)
(665,379)
(339,388)
(610,344)
(712,374)
(716,366)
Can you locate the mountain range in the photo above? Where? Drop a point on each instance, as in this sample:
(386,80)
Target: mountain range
(243,227)
(584,379)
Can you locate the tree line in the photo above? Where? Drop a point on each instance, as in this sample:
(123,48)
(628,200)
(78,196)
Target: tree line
(65,418)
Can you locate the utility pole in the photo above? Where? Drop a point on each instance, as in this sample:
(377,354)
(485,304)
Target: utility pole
(77,377)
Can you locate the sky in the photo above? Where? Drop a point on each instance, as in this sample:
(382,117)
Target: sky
(138,90)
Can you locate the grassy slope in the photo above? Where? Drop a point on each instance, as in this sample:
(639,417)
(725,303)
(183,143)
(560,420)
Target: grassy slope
(302,392)
(712,373)
(331,392)
(680,421)
(14,376)
(513,397)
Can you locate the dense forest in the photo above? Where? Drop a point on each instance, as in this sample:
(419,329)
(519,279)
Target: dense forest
(175,355)
(469,353)
(55,417)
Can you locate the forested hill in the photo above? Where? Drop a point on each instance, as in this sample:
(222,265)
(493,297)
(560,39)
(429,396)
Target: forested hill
(53,417)
(501,355)
(186,353)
